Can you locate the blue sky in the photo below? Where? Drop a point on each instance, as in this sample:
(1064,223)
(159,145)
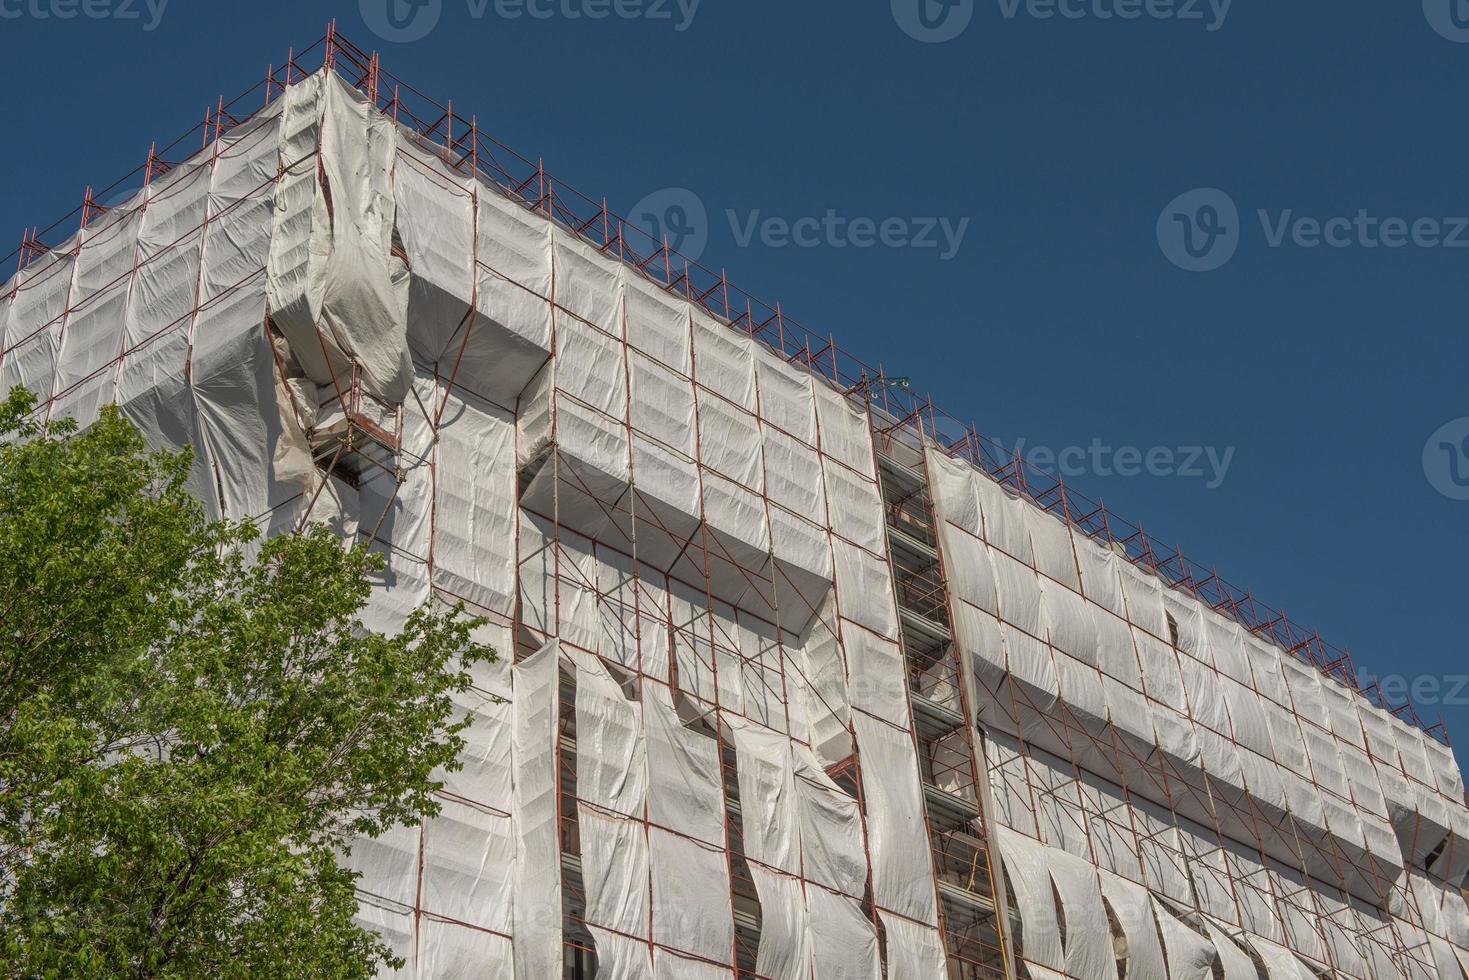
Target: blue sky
(1064,164)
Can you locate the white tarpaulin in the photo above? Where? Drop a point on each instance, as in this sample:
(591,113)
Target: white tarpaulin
(345,303)
(914,951)
(1190,955)
(537,894)
(686,791)
(897,837)
(1088,940)
(843,940)
(1133,908)
(1235,962)
(1280,963)
(785,940)
(691,907)
(1034,897)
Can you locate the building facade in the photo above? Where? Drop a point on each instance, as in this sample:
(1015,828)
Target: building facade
(797,680)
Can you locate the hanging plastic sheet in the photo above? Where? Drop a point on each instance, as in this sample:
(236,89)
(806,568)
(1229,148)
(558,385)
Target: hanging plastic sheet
(1088,941)
(786,399)
(1133,908)
(897,836)
(344,302)
(686,783)
(1050,539)
(1280,963)
(820,679)
(612,767)
(724,360)
(1233,961)
(467,859)
(446,949)
(768,811)
(34,318)
(1190,955)
(509,336)
(832,848)
(614,868)
(395,927)
(844,428)
(474,503)
(914,951)
(536,905)
(668,965)
(785,941)
(691,903)
(843,941)
(1034,893)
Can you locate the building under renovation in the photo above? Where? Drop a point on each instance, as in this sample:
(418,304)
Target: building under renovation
(800,678)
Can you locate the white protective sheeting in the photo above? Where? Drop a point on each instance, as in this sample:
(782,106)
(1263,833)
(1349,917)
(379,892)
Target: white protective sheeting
(620,957)
(691,905)
(807,928)
(344,301)
(831,828)
(671,966)
(914,951)
(1190,956)
(1033,894)
(794,817)
(843,940)
(615,868)
(446,949)
(467,861)
(686,785)
(536,906)
(474,503)
(1088,941)
(1234,962)
(1133,908)
(896,835)
(785,940)
(1280,963)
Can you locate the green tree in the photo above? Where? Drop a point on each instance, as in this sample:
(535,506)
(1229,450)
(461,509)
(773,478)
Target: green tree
(193,721)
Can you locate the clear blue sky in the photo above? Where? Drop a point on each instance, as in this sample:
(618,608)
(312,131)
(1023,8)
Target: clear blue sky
(1061,140)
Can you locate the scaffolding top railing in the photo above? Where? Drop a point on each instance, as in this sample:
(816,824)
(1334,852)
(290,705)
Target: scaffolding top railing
(466,147)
